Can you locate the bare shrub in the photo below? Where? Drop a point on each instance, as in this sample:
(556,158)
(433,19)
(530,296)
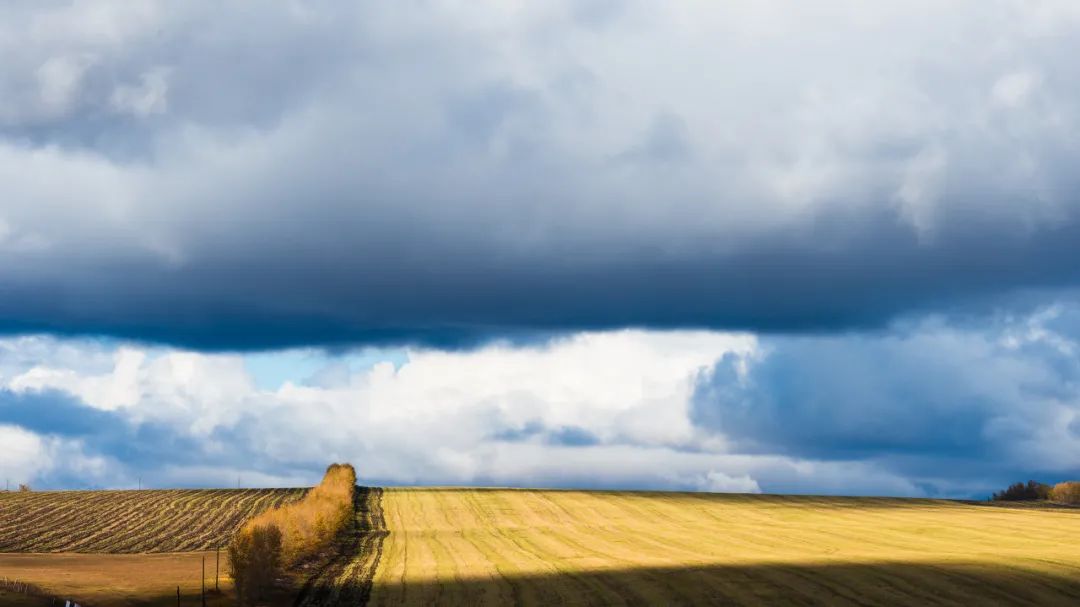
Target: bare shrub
(310,525)
(24,488)
(255,560)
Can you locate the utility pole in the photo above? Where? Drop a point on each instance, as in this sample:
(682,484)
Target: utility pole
(217,568)
(204,581)
(140,483)
(177,596)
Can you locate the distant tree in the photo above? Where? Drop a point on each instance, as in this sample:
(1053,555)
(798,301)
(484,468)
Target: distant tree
(1066,493)
(1017,492)
(23,487)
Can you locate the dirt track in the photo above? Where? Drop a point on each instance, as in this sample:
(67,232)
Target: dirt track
(347,578)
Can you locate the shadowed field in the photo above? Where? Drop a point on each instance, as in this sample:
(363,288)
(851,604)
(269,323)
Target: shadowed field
(177,520)
(143,580)
(598,548)
(853,584)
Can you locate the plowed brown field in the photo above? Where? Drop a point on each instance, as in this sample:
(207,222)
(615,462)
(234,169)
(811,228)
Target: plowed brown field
(175,520)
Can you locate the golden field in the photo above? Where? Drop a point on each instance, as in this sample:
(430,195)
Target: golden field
(490,547)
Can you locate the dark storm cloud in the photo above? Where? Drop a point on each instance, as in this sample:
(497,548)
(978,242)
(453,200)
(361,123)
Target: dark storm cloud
(106,433)
(934,403)
(452,298)
(53,412)
(330,174)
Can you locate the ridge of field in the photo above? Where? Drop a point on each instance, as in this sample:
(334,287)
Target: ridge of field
(536,547)
(151,520)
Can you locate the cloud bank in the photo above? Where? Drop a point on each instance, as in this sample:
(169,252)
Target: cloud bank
(932,409)
(323,173)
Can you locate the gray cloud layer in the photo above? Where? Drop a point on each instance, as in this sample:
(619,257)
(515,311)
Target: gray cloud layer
(942,405)
(309,172)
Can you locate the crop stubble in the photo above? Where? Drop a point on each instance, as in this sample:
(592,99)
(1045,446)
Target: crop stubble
(476,547)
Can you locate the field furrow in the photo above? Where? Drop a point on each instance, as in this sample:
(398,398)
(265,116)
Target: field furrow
(178,520)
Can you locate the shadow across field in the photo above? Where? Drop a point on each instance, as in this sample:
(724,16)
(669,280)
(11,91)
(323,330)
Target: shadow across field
(759,584)
(787,584)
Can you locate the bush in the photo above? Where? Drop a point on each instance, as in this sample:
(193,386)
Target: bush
(285,535)
(1066,493)
(255,560)
(310,525)
(1021,492)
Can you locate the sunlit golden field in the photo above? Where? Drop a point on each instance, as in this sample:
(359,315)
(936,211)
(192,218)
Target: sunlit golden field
(549,547)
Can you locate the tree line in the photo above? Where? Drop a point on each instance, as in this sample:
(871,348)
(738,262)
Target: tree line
(1062,493)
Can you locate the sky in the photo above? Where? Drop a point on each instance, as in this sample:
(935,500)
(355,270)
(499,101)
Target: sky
(762,246)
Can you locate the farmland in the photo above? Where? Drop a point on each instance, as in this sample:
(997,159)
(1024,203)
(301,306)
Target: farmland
(179,520)
(113,580)
(540,547)
(567,547)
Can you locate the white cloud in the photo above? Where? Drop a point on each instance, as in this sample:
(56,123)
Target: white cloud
(1012,90)
(628,384)
(113,390)
(682,410)
(609,404)
(724,483)
(859,414)
(26,457)
(148,97)
(24,454)
(59,79)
